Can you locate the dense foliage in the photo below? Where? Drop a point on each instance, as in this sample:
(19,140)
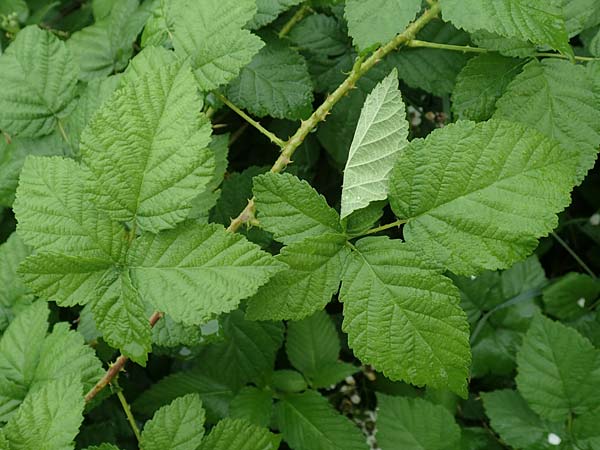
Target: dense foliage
(314,225)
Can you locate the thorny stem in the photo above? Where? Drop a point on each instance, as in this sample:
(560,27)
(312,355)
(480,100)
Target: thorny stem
(129,415)
(575,256)
(274,139)
(415,43)
(302,12)
(360,68)
(116,367)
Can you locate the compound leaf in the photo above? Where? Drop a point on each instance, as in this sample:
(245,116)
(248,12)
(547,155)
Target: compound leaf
(380,135)
(478,196)
(147,149)
(391,299)
(38,78)
(177,426)
(307,285)
(291,209)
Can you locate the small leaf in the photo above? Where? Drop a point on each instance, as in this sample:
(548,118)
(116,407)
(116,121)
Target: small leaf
(288,381)
(176,426)
(569,296)
(240,435)
(291,209)
(380,136)
(252,404)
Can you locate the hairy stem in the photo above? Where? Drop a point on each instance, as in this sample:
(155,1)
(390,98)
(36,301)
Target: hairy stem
(116,367)
(271,136)
(302,12)
(129,415)
(360,68)
(415,43)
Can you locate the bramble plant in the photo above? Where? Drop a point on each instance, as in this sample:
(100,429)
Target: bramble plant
(314,225)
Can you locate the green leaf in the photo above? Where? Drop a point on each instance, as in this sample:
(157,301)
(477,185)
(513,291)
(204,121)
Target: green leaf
(106,46)
(291,209)
(179,425)
(391,299)
(14,294)
(522,19)
(170,269)
(380,136)
(415,424)
(547,95)
(478,196)
(481,83)
(308,422)
(514,420)
(314,273)
(211,35)
(150,59)
(319,35)
(288,381)
(103,447)
(512,47)
(276,83)
(29,359)
(268,10)
(362,220)
(378,21)
(240,435)
(213,392)
(585,430)
(559,370)
(252,404)
(55,214)
(18,7)
(313,347)
(247,353)
(168,333)
(580,14)
(38,78)
(120,315)
(147,149)
(49,418)
(568,297)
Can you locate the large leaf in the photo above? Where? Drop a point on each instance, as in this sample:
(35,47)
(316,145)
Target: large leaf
(481,83)
(380,136)
(291,209)
(49,419)
(38,77)
(547,95)
(147,149)
(522,19)
(195,271)
(240,435)
(276,83)
(378,21)
(177,426)
(210,34)
(313,276)
(478,196)
(391,299)
(415,424)
(309,422)
(559,370)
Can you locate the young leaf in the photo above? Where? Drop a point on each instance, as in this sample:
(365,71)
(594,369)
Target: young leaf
(380,136)
(481,83)
(309,422)
(287,381)
(38,78)
(276,83)
(391,297)
(211,35)
(240,435)
(147,149)
(14,294)
(49,418)
(558,370)
(514,420)
(314,273)
(415,424)
(177,426)
(546,96)
(252,404)
(478,196)
(171,269)
(378,21)
(522,19)
(291,209)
